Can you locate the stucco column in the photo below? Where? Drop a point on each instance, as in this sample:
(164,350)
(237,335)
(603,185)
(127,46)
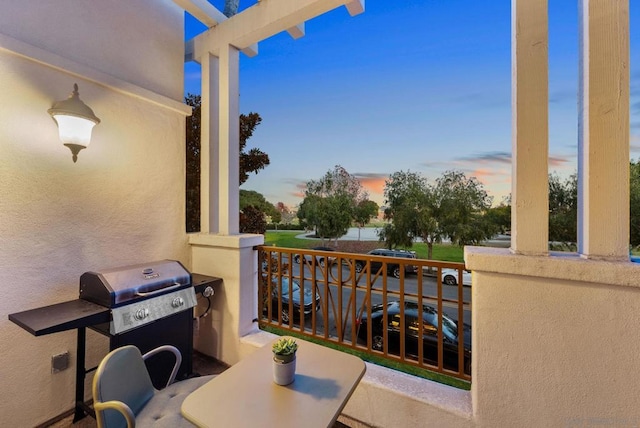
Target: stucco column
(603,132)
(530,146)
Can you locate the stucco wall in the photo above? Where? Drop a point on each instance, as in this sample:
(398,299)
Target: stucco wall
(131,40)
(553,340)
(121,203)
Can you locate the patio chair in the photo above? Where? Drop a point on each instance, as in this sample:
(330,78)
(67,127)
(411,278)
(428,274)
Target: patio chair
(124,396)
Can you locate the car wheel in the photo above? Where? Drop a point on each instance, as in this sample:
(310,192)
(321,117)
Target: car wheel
(285,316)
(296,259)
(450,280)
(359,267)
(377,343)
(396,272)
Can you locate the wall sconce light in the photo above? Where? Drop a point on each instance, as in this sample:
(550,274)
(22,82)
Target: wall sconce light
(75,121)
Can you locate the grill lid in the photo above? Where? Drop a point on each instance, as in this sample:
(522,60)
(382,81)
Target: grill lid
(123,285)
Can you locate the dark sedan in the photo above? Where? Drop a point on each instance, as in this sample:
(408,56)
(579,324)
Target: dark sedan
(411,333)
(320,260)
(292,294)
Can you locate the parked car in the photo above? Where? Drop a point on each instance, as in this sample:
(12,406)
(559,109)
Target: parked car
(450,277)
(291,293)
(320,260)
(393,269)
(411,333)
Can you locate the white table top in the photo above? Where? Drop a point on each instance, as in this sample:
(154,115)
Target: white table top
(245,395)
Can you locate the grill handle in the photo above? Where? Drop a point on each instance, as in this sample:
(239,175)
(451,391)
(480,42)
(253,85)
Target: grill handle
(162,290)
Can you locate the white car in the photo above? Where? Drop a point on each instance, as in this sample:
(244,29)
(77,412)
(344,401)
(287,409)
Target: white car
(450,277)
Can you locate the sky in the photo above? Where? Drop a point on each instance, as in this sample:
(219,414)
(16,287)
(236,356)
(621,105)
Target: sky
(414,85)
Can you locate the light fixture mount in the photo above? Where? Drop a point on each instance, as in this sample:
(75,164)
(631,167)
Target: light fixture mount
(75,121)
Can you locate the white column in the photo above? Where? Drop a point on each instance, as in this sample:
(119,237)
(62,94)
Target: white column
(530,147)
(229,141)
(603,146)
(209,151)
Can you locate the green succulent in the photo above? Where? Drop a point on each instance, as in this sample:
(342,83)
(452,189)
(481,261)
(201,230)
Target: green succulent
(285,346)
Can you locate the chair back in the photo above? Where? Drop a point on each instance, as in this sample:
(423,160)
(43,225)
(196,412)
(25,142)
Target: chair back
(122,376)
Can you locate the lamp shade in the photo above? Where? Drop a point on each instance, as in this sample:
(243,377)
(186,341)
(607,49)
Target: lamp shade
(75,122)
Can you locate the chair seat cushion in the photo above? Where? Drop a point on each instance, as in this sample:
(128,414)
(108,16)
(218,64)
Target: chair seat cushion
(164,409)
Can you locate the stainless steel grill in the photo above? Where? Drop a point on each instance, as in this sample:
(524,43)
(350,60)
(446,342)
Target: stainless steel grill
(140,294)
(150,306)
(145,305)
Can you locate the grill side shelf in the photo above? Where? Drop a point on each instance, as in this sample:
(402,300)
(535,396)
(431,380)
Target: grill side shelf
(61,317)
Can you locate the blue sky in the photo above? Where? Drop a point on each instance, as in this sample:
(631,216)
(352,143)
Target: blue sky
(419,85)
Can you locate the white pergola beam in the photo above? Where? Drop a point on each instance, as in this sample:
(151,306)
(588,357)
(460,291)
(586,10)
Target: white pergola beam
(190,49)
(263,20)
(203,11)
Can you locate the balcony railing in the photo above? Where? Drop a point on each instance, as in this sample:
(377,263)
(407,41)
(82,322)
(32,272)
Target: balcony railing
(331,296)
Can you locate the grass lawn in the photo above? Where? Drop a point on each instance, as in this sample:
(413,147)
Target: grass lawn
(287,239)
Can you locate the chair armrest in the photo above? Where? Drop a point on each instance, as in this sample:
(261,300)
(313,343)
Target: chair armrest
(120,407)
(175,351)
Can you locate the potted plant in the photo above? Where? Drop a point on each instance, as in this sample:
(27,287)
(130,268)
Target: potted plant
(284,360)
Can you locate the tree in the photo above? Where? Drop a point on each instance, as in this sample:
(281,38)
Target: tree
(634,204)
(563,210)
(286,215)
(463,203)
(254,160)
(329,203)
(193,165)
(454,207)
(230,7)
(251,198)
(364,211)
(500,217)
(412,211)
(250,162)
(252,220)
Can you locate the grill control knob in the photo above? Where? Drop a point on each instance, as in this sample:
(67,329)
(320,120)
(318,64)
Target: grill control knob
(141,314)
(177,302)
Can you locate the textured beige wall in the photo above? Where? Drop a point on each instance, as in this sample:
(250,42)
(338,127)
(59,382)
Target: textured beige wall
(121,203)
(550,347)
(131,40)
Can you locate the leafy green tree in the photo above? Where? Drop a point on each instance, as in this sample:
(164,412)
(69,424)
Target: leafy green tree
(252,220)
(330,202)
(500,217)
(454,207)
(634,181)
(563,210)
(257,200)
(255,159)
(252,161)
(463,203)
(364,211)
(412,211)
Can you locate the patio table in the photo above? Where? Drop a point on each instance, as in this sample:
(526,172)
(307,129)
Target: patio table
(245,395)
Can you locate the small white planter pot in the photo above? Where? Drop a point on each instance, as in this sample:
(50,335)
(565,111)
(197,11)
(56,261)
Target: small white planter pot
(284,369)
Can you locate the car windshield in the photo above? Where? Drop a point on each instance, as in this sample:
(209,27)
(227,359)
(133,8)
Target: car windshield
(449,327)
(285,286)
